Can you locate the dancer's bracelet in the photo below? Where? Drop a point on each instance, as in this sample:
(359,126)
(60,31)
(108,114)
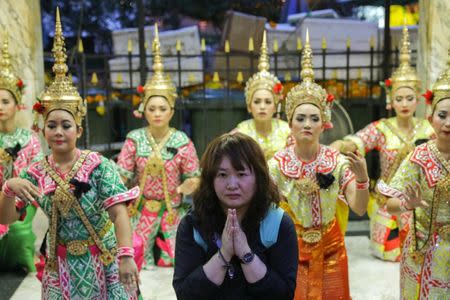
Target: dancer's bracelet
(362,185)
(8,191)
(125,251)
(404,206)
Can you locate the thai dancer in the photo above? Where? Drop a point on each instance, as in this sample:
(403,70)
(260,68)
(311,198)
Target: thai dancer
(89,244)
(163,162)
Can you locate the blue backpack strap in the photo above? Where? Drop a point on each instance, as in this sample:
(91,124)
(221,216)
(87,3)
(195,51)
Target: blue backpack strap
(270,226)
(199,240)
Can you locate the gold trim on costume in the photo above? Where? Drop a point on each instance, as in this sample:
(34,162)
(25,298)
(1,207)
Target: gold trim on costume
(153,206)
(80,247)
(107,256)
(441,193)
(306,187)
(157,151)
(314,235)
(56,207)
(155,167)
(408,146)
(311,236)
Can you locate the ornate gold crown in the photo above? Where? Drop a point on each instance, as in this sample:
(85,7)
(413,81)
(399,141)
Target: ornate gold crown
(61,94)
(308,91)
(441,88)
(9,81)
(263,80)
(159,84)
(405,75)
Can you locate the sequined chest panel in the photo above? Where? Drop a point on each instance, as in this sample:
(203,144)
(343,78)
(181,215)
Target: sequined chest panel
(313,206)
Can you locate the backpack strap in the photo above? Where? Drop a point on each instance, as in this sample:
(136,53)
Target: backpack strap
(270,226)
(199,240)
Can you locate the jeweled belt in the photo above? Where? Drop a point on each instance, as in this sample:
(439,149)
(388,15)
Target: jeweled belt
(81,247)
(313,234)
(154,206)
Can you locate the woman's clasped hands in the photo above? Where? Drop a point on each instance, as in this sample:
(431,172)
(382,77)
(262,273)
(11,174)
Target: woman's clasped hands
(234,240)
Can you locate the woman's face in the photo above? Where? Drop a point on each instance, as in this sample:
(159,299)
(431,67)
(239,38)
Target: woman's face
(441,120)
(404,102)
(262,107)
(8,106)
(306,124)
(158,112)
(234,188)
(61,132)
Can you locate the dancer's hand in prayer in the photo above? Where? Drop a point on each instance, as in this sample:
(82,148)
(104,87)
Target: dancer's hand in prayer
(128,273)
(227,247)
(358,166)
(24,189)
(240,242)
(414,196)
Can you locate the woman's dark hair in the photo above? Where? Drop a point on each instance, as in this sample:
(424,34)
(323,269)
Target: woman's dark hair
(242,151)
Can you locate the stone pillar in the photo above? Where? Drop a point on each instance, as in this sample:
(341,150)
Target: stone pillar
(434,40)
(21,20)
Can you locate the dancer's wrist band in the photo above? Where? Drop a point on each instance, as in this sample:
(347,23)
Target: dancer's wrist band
(125,251)
(362,185)
(7,191)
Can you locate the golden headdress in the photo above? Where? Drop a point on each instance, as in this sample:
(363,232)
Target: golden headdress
(441,88)
(263,79)
(308,91)
(159,84)
(8,80)
(404,75)
(61,94)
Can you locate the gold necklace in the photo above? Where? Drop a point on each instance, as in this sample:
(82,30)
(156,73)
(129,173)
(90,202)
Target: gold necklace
(441,193)
(156,162)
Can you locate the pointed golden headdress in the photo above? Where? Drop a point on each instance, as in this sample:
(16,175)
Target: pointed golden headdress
(159,84)
(61,94)
(405,75)
(441,88)
(263,79)
(8,80)
(308,91)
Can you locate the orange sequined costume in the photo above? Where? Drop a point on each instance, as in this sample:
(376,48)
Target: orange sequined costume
(323,268)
